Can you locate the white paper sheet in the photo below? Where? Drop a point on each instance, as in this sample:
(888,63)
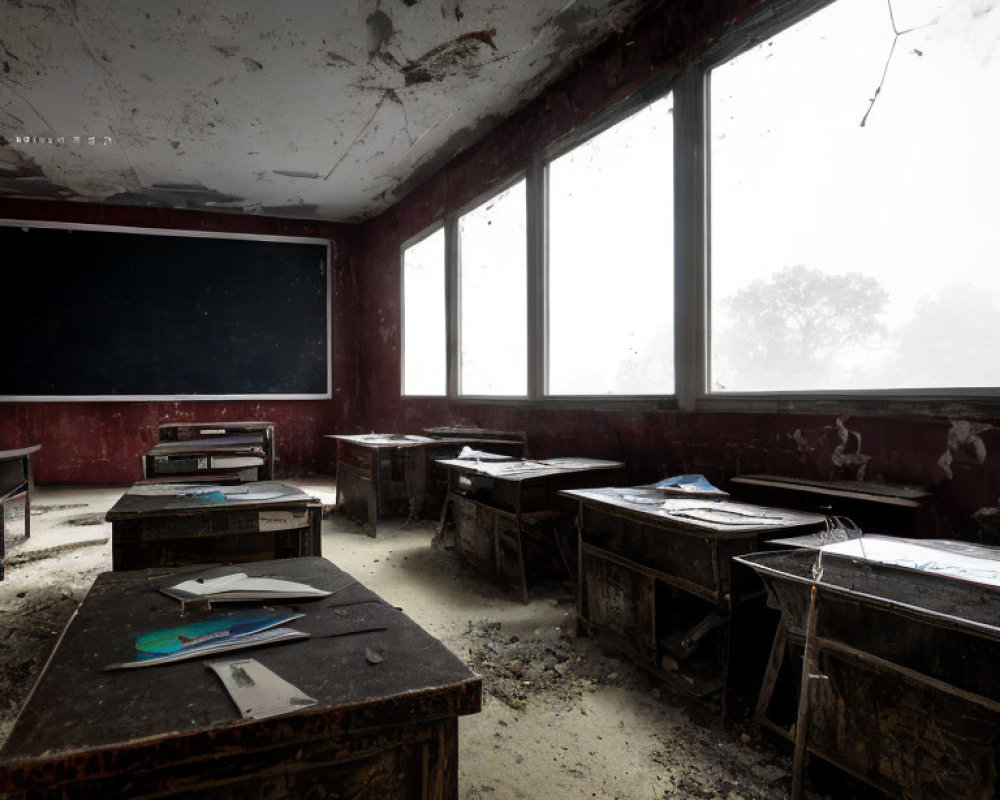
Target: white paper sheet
(257,691)
(923,556)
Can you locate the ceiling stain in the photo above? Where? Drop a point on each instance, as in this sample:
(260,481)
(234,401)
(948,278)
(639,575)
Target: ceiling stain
(373,95)
(21,176)
(178,195)
(380,31)
(436,64)
(15,165)
(291,210)
(291,173)
(333,58)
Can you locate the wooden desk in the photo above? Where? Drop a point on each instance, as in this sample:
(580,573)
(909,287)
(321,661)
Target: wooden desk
(662,587)
(271,520)
(874,507)
(387,474)
(15,483)
(480,434)
(259,435)
(499,507)
(907,696)
(386,730)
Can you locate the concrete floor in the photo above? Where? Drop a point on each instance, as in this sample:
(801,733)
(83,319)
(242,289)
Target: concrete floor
(562,717)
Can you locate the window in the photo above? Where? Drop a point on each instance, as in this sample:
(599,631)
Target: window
(853,202)
(610,260)
(829,230)
(492,241)
(424,317)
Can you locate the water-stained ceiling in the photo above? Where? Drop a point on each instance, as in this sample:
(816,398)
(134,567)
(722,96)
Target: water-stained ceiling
(305,108)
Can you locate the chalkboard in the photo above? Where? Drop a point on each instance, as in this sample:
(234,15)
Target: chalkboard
(113,313)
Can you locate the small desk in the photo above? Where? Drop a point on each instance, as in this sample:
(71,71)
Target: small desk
(15,482)
(256,521)
(909,697)
(378,730)
(219,440)
(661,585)
(874,507)
(498,505)
(382,474)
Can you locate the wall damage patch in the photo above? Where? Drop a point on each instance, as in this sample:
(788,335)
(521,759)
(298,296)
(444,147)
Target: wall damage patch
(964,445)
(848,455)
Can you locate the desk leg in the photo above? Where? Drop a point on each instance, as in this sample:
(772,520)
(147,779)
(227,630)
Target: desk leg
(579,571)
(29,488)
(809,663)
(315,529)
(443,522)
(520,561)
(336,478)
(774,662)
(373,498)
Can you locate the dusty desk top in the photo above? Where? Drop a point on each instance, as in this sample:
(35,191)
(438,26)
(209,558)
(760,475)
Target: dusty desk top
(459,432)
(379,440)
(19,452)
(84,721)
(152,499)
(214,425)
(375,440)
(527,469)
(716,515)
(243,442)
(858,490)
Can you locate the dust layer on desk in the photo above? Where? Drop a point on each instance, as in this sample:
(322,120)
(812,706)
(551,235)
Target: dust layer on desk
(712,513)
(210,492)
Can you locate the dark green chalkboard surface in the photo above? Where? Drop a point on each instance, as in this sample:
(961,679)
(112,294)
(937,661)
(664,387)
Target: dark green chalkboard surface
(106,313)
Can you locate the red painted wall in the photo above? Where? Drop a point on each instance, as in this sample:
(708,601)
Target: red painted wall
(99,443)
(653,442)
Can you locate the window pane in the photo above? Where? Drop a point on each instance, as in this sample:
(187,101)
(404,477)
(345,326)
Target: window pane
(424,318)
(855,240)
(494,307)
(611,256)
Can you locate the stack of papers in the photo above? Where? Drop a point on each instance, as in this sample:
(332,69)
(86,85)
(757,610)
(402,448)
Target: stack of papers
(219,634)
(238,586)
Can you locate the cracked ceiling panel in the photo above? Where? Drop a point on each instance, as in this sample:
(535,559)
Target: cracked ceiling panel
(307,108)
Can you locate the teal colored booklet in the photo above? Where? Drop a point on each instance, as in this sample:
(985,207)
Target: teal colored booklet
(219,634)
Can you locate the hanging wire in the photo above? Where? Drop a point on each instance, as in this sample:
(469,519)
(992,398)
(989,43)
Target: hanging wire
(892,49)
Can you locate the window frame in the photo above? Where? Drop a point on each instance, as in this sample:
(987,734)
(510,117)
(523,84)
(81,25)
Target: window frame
(690,84)
(953,401)
(426,233)
(599,123)
(453,255)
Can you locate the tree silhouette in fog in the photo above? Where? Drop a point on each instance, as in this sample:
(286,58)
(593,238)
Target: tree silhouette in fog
(784,331)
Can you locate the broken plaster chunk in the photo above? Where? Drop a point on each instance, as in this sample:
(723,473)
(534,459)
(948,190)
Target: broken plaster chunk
(373,656)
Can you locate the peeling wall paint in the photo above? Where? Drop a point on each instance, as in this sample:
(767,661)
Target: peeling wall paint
(964,445)
(848,454)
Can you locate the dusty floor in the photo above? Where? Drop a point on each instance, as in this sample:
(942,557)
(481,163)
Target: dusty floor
(562,717)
